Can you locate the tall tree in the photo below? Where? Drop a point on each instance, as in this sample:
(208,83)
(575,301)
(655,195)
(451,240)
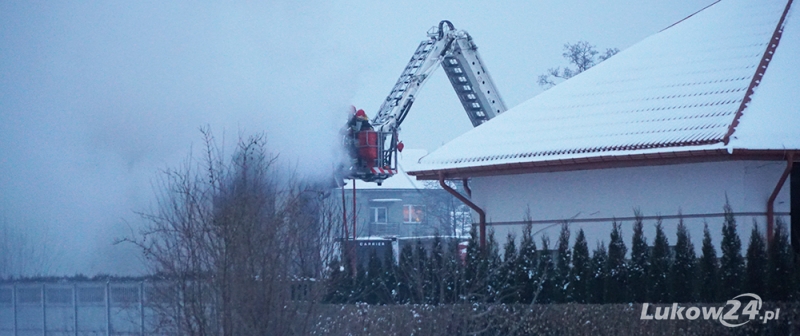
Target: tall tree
(756,269)
(405,274)
(599,274)
(659,267)
(526,267)
(779,286)
(361,286)
(709,269)
(581,271)
(374,286)
(420,280)
(640,261)
(389,277)
(435,292)
(562,270)
(617,281)
(492,265)
(453,273)
(546,272)
(582,55)
(684,267)
(731,266)
(474,270)
(508,286)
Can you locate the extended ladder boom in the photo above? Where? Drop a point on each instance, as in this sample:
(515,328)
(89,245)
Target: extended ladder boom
(456,51)
(373,152)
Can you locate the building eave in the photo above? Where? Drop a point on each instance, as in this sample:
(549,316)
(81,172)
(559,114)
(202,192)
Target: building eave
(605,162)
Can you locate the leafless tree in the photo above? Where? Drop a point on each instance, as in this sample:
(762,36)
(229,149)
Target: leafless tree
(23,254)
(238,243)
(582,55)
(446,212)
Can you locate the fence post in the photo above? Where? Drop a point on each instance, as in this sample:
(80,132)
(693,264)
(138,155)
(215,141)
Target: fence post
(141,306)
(44,312)
(75,306)
(14,307)
(108,308)
(180,311)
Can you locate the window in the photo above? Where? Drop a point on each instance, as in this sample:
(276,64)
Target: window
(378,215)
(413,213)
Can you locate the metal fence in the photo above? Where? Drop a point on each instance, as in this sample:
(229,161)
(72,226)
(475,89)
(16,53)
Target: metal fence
(79,308)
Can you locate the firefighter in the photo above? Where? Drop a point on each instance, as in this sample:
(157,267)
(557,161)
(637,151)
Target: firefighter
(367,142)
(358,122)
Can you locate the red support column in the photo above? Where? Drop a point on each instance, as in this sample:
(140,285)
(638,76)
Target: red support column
(354,228)
(771,201)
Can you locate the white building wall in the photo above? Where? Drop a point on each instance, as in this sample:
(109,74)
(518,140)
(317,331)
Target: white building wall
(690,189)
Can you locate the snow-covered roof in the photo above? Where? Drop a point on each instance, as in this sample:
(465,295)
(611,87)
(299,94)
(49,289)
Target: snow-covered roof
(772,119)
(407,160)
(685,89)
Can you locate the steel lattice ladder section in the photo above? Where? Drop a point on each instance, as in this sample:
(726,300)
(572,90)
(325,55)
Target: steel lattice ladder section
(419,57)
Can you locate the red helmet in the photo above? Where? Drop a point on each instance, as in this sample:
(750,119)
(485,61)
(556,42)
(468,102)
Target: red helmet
(361,114)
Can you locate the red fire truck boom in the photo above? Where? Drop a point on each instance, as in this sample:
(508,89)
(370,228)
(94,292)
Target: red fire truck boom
(373,149)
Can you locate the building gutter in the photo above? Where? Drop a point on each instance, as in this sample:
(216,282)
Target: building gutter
(771,201)
(473,206)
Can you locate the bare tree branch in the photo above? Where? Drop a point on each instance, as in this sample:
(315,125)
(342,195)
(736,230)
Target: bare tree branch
(582,55)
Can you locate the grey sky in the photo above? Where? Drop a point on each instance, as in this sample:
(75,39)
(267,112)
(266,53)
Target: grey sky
(96,97)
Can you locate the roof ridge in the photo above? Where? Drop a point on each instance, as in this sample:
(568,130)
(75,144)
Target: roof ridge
(690,15)
(760,71)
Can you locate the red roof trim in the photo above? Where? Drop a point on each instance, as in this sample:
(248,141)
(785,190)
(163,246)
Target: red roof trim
(760,71)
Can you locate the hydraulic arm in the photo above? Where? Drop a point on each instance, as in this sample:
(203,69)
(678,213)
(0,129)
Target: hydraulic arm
(373,149)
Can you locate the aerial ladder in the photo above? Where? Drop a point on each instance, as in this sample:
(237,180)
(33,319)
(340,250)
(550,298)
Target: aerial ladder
(372,145)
